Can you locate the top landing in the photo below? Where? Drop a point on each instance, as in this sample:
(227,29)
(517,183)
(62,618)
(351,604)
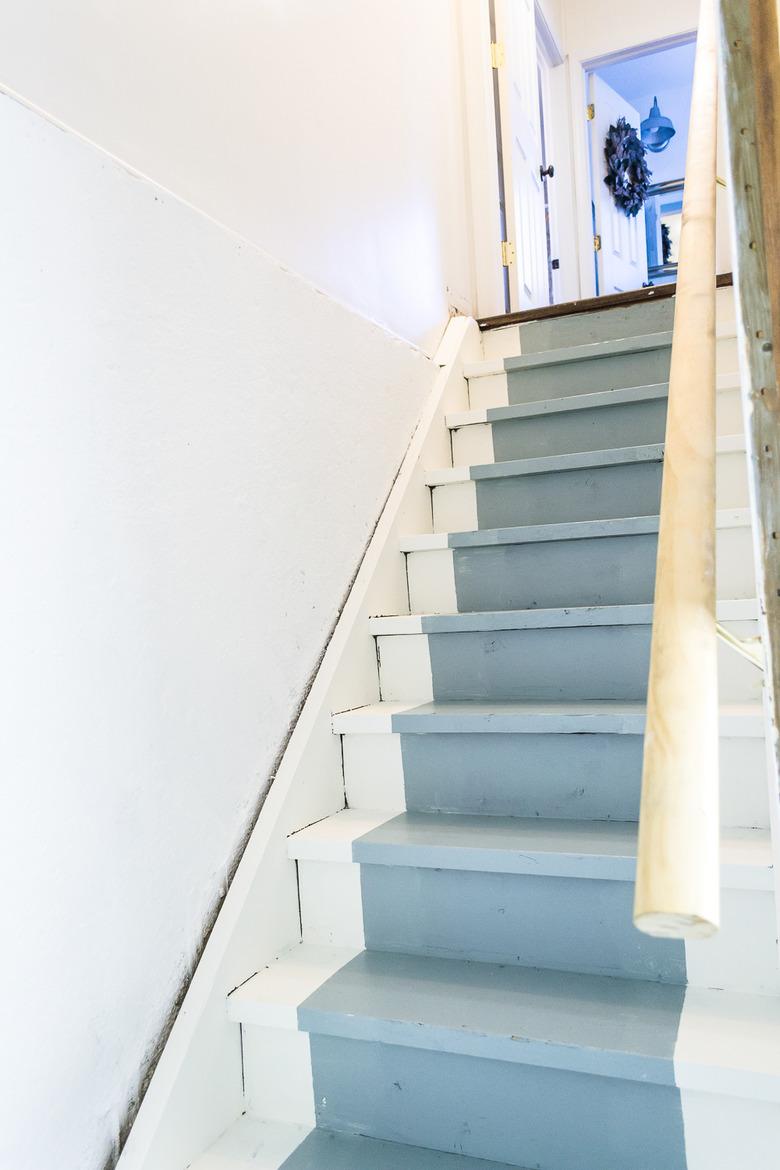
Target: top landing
(619,315)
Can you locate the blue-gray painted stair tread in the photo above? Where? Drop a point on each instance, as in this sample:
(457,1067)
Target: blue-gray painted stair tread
(577,402)
(323,1150)
(589,351)
(496,844)
(516,619)
(603,715)
(575,460)
(544,533)
(522,619)
(594,1024)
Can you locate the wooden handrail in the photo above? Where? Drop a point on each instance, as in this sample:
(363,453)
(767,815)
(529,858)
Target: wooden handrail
(677,886)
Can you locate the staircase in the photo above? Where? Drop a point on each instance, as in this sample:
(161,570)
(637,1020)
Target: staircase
(470,991)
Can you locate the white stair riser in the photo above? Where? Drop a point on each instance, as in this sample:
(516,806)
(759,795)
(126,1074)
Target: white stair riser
(331,903)
(278,1075)
(487,391)
(455,507)
(472,445)
(722,1133)
(501,343)
(374,772)
(741,957)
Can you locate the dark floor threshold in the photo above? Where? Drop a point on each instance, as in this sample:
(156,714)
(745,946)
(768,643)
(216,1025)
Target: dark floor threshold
(612,301)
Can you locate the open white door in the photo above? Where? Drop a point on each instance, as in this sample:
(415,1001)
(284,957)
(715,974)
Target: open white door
(622,258)
(521,135)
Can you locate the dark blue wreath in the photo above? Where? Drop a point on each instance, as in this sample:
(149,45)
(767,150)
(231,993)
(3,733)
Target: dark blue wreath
(628,175)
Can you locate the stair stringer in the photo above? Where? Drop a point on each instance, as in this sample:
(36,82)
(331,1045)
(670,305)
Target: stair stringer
(196,1090)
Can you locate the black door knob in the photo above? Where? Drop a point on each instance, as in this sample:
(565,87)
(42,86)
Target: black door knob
(546,172)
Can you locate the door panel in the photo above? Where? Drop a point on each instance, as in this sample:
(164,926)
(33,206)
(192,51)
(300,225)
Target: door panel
(522,150)
(622,261)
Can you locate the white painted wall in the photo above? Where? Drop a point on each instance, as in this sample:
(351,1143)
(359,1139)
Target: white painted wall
(331,135)
(195,447)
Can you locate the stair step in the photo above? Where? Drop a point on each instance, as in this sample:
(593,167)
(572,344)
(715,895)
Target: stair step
(541,654)
(726,518)
(609,715)
(488,384)
(574,461)
(595,366)
(254,1144)
(524,619)
(573,564)
(532,533)
(591,1024)
(572,777)
(579,484)
(741,609)
(599,324)
(598,850)
(590,351)
(613,418)
(589,485)
(529,892)
(556,406)
(586,422)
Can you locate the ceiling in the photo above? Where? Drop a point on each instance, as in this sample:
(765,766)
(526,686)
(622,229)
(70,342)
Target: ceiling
(654,73)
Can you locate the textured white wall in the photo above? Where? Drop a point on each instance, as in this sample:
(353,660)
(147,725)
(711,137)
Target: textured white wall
(329,134)
(195,446)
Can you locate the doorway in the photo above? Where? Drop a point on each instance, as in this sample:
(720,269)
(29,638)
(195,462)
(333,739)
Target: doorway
(650,88)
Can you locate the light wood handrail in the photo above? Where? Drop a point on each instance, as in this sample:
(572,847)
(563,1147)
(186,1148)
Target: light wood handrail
(677,886)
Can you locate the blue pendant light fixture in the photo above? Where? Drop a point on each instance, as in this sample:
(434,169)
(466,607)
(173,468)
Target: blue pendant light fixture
(657,131)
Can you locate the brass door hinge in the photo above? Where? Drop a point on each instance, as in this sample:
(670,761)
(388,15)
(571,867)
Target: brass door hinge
(497,55)
(507,253)
(597,243)
(590,112)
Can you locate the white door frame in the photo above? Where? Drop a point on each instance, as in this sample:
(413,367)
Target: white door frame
(555,137)
(482,189)
(582,172)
